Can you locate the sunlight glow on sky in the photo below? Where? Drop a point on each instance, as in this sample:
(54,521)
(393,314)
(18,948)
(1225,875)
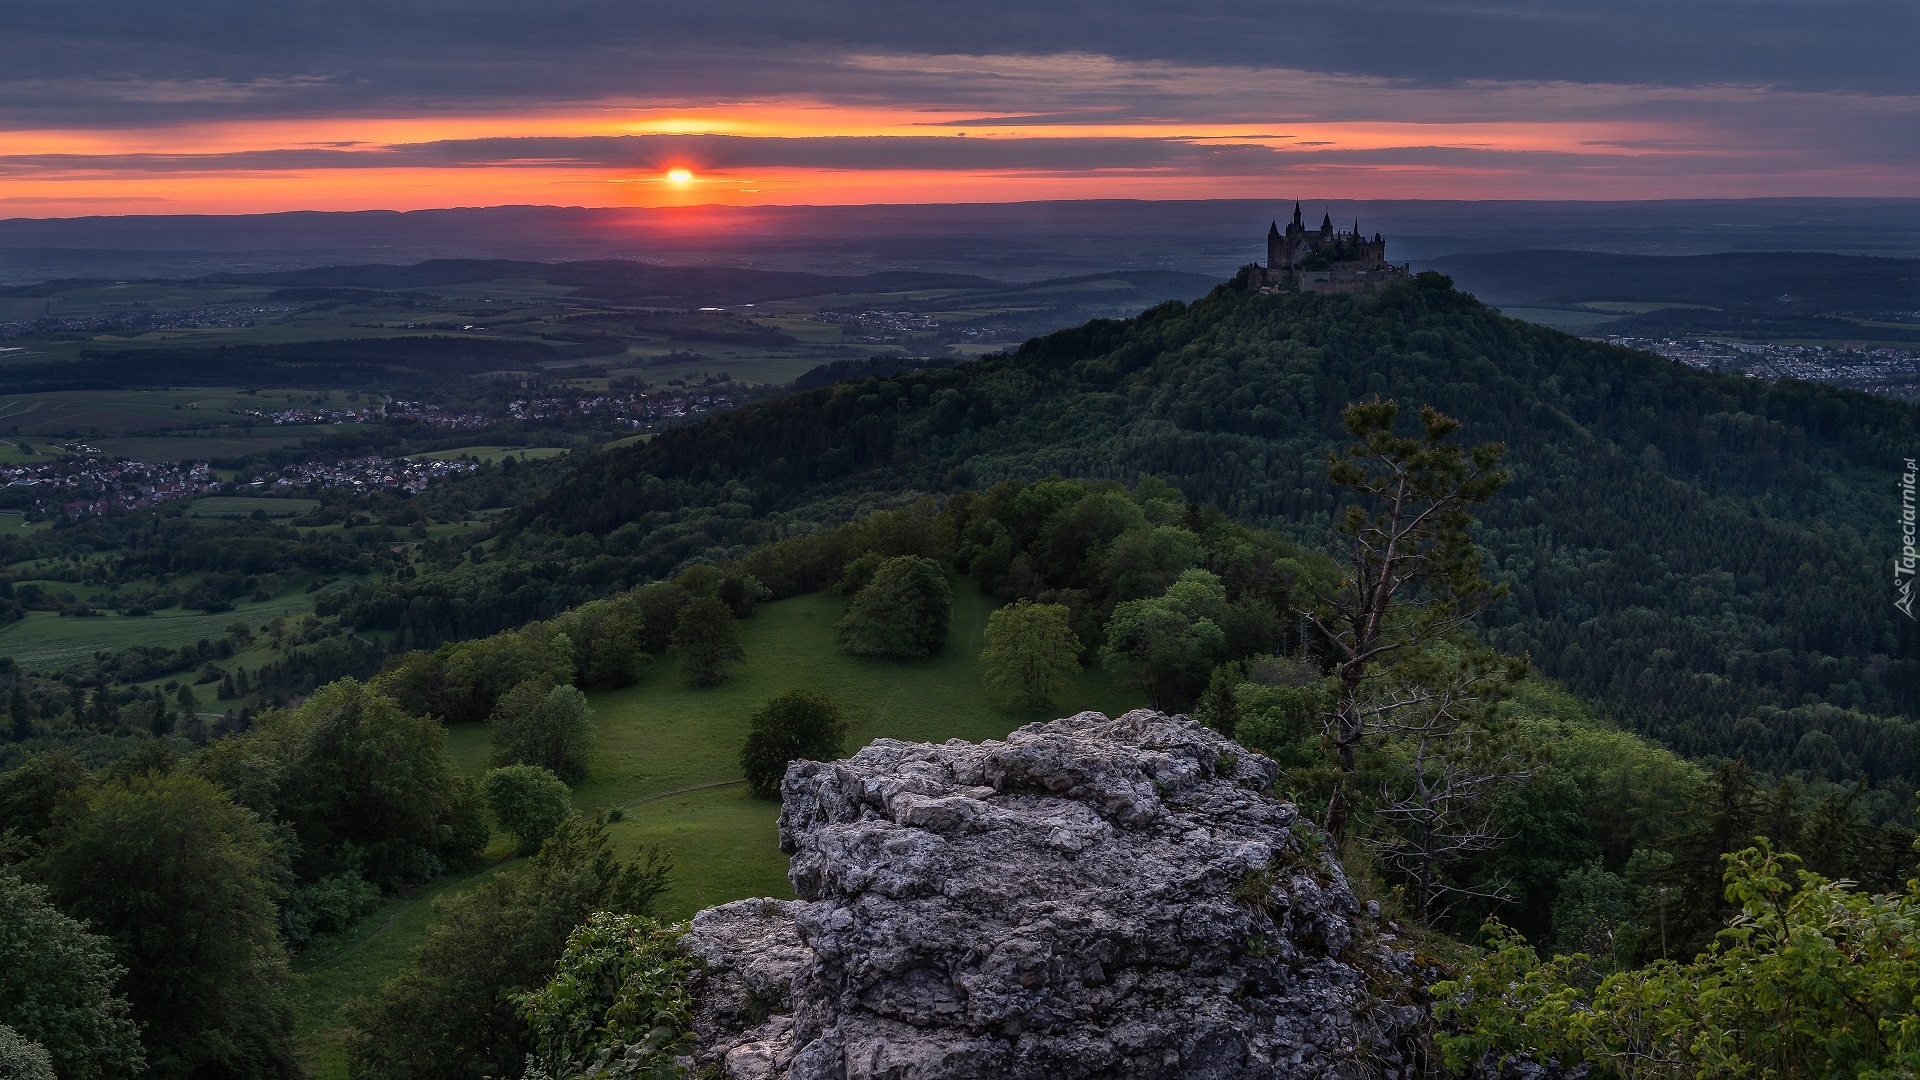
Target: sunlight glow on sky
(147,123)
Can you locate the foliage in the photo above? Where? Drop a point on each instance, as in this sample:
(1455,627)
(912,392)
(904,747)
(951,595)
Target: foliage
(902,613)
(1411,580)
(796,725)
(706,639)
(450,1014)
(326,906)
(57,989)
(528,802)
(538,723)
(23,1059)
(364,785)
(185,885)
(1031,651)
(1676,541)
(622,981)
(1813,979)
(1167,645)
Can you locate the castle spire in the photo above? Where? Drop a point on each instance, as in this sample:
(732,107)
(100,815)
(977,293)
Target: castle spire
(1273,231)
(1356,228)
(1296,212)
(1326,222)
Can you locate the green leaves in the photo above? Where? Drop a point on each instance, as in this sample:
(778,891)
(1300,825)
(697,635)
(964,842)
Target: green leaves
(621,983)
(902,613)
(796,725)
(1031,650)
(1811,979)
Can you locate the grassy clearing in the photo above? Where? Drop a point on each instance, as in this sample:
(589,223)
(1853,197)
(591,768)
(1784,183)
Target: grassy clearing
(668,757)
(15,523)
(1572,322)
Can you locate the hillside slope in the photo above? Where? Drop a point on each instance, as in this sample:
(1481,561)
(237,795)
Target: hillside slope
(1688,550)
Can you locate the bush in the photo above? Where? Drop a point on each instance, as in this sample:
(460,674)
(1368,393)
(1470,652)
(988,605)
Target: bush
(798,724)
(327,906)
(902,613)
(621,988)
(538,723)
(528,802)
(1814,980)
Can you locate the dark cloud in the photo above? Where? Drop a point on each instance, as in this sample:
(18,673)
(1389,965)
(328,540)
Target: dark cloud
(110,60)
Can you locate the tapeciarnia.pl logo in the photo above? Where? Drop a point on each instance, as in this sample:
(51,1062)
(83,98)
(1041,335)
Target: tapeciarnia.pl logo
(1903,567)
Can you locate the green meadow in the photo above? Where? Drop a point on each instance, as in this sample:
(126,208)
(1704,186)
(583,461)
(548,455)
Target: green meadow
(666,757)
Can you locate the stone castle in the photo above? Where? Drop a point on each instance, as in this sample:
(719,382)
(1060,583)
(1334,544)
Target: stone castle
(1324,261)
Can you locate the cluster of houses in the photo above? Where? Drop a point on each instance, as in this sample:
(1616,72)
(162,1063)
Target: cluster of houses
(372,473)
(106,484)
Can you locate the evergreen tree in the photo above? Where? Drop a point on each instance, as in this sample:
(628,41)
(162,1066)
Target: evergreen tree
(20,712)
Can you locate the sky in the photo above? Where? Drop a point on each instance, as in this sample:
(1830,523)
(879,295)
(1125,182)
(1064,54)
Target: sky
(224,106)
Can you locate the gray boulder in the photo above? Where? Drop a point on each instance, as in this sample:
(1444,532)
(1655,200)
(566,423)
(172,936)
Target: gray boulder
(1091,897)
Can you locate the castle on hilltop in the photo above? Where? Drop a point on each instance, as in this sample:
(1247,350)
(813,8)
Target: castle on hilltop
(1324,261)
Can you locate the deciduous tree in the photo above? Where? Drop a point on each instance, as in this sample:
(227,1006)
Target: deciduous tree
(1031,652)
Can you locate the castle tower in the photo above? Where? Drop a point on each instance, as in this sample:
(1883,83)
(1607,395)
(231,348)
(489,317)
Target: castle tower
(1276,246)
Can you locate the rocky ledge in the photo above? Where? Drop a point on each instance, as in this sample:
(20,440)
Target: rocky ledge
(1091,897)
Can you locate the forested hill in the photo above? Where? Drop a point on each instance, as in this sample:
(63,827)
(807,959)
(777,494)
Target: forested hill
(1690,551)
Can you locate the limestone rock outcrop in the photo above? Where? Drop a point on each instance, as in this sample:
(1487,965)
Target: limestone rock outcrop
(1090,897)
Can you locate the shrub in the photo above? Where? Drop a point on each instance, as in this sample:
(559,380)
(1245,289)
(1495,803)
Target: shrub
(528,802)
(902,613)
(450,1015)
(798,724)
(621,988)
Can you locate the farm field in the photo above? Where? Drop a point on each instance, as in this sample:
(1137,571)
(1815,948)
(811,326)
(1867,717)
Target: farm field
(667,757)
(45,641)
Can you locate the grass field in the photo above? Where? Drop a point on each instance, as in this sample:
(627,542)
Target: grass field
(14,522)
(44,641)
(668,757)
(239,506)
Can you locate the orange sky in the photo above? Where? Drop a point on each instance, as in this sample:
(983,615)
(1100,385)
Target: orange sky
(190,168)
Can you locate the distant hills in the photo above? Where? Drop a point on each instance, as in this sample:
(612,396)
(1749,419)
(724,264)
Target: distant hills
(1787,281)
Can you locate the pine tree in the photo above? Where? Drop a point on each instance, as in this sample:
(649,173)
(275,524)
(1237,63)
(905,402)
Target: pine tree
(227,690)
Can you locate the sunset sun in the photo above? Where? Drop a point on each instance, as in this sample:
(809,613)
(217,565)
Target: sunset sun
(680,177)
